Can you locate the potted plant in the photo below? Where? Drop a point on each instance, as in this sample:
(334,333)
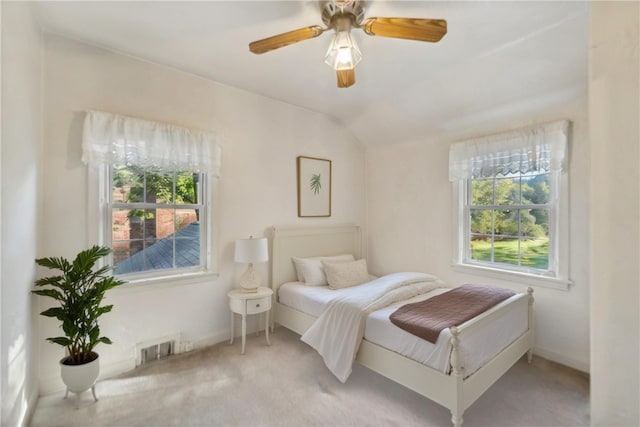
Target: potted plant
(79,290)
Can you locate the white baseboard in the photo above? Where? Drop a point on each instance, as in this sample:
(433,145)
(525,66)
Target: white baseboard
(50,384)
(561,359)
(209,340)
(117,368)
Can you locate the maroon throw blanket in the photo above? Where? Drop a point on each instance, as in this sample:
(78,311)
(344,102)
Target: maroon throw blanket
(427,318)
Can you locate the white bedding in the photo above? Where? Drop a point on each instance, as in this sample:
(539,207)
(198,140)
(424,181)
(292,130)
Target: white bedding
(476,349)
(337,333)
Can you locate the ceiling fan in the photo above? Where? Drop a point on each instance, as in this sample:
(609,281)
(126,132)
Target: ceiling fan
(343,15)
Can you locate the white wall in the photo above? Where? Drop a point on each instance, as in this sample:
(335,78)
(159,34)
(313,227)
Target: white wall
(615,136)
(262,138)
(410,215)
(21,137)
(409,205)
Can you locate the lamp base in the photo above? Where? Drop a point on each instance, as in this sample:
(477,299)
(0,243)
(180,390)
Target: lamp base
(250,280)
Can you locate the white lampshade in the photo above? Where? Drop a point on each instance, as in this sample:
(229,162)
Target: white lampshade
(251,250)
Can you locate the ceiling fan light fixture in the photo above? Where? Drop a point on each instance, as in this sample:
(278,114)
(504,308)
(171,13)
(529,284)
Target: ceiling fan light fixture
(343,53)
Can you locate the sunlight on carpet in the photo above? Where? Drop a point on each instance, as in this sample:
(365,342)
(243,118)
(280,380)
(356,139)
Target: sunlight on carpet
(287,384)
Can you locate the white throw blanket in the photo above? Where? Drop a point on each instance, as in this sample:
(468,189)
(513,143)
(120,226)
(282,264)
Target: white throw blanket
(336,335)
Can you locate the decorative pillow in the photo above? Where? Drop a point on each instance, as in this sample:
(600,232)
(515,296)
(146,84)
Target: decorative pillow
(310,270)
(345,274)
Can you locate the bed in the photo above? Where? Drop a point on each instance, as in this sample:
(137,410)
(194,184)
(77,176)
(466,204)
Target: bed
(449,385)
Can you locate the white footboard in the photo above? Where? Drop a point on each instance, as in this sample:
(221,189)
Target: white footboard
(471,388)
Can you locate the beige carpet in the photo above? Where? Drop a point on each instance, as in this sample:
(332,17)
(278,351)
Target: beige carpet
(287,384)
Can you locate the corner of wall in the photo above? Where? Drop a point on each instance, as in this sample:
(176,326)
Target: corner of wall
(22,101)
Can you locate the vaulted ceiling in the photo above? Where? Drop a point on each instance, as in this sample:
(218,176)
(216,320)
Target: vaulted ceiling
(500,62)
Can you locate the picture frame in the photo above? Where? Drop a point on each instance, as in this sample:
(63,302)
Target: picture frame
(314,187)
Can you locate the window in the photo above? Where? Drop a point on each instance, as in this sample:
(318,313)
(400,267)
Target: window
(510,202)
(508,221)
(153,197)
(155,220)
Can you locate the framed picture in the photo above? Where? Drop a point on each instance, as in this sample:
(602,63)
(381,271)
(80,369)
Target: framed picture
(314,187)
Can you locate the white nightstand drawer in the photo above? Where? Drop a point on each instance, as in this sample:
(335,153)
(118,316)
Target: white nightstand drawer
(258,305)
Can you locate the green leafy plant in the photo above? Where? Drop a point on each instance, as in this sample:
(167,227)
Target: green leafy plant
(315,183)
(79,290)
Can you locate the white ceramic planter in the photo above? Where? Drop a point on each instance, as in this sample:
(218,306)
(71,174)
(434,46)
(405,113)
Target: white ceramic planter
(79,378)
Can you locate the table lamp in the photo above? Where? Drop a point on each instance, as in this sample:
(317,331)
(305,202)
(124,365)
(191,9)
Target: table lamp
(251,250)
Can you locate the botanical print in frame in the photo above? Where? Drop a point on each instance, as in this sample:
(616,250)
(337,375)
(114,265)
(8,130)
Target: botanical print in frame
(314,187)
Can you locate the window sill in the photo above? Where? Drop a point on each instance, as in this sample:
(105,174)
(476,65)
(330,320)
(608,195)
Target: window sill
(525,278)
(153,283)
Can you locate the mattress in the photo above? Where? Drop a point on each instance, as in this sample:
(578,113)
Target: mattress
(476,348)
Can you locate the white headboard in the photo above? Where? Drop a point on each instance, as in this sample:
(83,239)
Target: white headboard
(301,241)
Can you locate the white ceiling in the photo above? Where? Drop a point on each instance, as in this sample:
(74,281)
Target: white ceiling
(498,60)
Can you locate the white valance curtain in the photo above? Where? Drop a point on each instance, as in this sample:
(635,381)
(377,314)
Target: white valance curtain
(542,147)
(115,139)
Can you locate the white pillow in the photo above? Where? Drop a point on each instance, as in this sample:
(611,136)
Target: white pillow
(310,270)
(345,274)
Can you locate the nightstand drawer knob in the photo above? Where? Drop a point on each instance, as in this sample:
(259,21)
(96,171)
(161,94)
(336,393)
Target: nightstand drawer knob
(257,305)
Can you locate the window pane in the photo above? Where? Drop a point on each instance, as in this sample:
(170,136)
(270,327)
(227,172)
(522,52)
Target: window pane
(121,232)
(481,221)
(535,189)
(148,217)
(128,233)
(507,191)
(481,248)
(534,222)
(535,253)
(185,217)
(534,246)
(506,222)
(542,219)
(482,192)
(186,188)
(505,250)
(164,223)
(187,241)
(128,184)
(159,187)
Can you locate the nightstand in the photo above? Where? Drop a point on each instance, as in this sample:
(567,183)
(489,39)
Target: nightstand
(246,303)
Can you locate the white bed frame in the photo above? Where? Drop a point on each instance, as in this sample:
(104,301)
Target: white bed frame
(453,390)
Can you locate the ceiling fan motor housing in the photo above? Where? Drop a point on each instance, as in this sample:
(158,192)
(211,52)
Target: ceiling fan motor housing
(331,9)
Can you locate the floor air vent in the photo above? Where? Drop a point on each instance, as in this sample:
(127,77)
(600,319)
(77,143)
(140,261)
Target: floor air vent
(156,352)
(157,349)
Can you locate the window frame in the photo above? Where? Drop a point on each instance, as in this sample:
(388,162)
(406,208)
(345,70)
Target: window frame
(557,277)
(100,231)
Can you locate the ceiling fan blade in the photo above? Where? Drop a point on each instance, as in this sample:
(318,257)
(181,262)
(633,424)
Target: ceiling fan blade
(346,78)
(426,30)
(285,39)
